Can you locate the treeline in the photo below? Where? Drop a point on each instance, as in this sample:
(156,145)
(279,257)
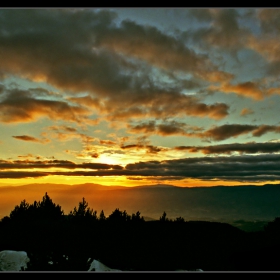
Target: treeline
(54,240)
(48,210)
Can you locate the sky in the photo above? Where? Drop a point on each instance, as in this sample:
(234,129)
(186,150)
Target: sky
(140,96)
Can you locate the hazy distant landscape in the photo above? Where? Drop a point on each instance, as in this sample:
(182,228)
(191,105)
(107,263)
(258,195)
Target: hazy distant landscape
(254,205)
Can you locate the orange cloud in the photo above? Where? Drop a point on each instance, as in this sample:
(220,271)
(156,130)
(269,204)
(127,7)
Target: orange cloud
(247,89)
(269,47)
(264,129)
(246,111)
(20,106)
(107,142)
(30,138)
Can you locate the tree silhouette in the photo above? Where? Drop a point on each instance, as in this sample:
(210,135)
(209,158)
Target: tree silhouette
(273,227)
(179,219)
(83,211)
(163,217)
(47,209)
(119,216)
(102,216)
(20,212)
(136,217)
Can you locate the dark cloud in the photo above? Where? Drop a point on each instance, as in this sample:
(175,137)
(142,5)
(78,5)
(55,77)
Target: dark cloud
(269,20)
(216,133)
(21,174)
(20,106)
(223,29)
(29,164)
(171,128)
(85,51)
(166,128)
(154,149)
(226,168)
(2,88)
(250,148)
(227,131)
(237,168)
(148,127)
(150,44)
(162,104)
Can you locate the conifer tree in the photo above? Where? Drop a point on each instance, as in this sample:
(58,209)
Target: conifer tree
(83,210)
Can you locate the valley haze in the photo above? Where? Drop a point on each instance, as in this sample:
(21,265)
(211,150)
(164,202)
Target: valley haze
(219,203)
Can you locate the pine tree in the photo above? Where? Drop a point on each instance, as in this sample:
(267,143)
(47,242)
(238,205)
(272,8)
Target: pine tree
(20,212)
(48,209)
(102,216)
(163,217)
(137,218)
(83,210)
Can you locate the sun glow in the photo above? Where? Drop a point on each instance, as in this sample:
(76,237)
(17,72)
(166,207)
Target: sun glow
(109,160)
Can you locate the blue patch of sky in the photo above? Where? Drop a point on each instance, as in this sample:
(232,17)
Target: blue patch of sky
(174,140)
(13,82)
(252,66)
(245,64)
(268,110)
(250,138)
(165,19)
(248,19)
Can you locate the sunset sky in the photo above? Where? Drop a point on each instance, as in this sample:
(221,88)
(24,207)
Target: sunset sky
(139,96)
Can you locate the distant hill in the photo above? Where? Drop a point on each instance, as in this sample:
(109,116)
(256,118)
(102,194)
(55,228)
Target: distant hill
(155,186)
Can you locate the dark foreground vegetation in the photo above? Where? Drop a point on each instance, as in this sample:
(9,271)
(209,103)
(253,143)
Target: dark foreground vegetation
(128,242)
